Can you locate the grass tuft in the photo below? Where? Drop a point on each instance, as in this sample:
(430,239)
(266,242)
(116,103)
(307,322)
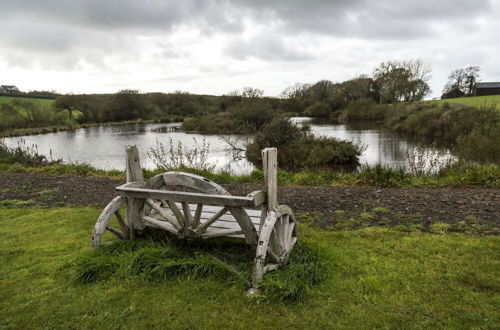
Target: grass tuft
(93,267)
(305,270)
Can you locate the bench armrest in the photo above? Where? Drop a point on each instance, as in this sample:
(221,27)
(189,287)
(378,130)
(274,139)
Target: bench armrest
(132,189)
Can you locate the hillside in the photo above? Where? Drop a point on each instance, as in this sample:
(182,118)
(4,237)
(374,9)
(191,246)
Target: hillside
(474,101)
(8,99)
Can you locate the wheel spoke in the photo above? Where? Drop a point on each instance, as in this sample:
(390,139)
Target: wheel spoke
(187,213)
(275,243)
(115,231)
(121,222)
(178,214)
(197,215)
(164,213)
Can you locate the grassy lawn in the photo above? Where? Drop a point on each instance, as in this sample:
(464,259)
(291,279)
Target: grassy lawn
(377,277)
(8,99)
(474,101)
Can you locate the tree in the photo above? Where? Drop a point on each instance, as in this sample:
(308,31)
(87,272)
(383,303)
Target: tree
(358,89)
(397,81)
(464,79)
(65,102)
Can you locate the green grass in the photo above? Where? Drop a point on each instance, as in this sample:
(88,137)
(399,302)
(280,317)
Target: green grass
(377,278)
(8,99)
(473,101)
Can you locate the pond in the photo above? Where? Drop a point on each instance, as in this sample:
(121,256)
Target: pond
(104,146)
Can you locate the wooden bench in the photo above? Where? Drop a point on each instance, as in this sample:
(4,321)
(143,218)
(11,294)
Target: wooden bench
(190,206)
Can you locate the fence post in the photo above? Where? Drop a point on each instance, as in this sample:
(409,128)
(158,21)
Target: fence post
(270,166)
(133,173)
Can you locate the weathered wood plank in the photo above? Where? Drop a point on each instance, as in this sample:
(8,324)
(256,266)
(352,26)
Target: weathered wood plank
(176,196)
(270,166)
(245,223)
(133,173)
(214,209)
(152,222)
(213,232)
(259,197)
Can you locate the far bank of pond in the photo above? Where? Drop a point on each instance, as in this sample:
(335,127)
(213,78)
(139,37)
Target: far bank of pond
(103,146)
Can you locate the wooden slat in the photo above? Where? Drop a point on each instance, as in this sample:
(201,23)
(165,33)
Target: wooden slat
(214,209)
(226,217)
(210,221)
(176,196)
(149,221)
(211,232)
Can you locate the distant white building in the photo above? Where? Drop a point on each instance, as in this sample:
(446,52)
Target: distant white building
(9,89)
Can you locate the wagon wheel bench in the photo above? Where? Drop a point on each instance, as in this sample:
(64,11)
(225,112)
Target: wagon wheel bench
(203,209)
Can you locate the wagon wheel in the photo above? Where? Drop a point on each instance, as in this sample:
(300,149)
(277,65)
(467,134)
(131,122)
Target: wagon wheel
(180,221)
(276,240)
(103,222)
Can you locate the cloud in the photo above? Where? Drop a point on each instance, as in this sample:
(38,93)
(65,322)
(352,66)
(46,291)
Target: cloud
(240,42)
(266,47)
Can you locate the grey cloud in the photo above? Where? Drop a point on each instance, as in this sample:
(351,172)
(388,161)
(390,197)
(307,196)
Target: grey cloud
(266,47)
(60,33)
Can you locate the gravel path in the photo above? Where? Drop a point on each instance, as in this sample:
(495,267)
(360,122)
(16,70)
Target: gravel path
(424,205)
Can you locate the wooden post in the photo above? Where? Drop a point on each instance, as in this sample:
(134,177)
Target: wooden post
(133,173)
(270,166)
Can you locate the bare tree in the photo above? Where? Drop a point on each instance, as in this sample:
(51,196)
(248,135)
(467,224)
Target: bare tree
(464,79)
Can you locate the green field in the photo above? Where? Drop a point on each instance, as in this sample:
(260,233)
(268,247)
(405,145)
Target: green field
(377,278)
(8,99)
(474,101)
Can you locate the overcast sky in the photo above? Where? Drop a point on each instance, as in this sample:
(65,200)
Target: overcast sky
(213,47)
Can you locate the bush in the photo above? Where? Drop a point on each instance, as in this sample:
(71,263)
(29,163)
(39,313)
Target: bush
(482,144)
(299,149)
(318,109)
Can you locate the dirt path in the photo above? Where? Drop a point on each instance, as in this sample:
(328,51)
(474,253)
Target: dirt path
(329,204)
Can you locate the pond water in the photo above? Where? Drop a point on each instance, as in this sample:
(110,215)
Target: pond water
(104,147)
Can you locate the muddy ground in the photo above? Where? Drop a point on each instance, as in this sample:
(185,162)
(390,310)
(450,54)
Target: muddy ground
(327,205)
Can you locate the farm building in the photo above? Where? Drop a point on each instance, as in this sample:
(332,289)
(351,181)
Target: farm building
(452,93)
(8,89)
(487,88)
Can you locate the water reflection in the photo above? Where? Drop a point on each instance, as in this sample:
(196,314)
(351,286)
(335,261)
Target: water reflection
(103,147)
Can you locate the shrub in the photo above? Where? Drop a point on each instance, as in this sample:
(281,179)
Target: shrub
(482,144)
(298,148)
(318,109)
